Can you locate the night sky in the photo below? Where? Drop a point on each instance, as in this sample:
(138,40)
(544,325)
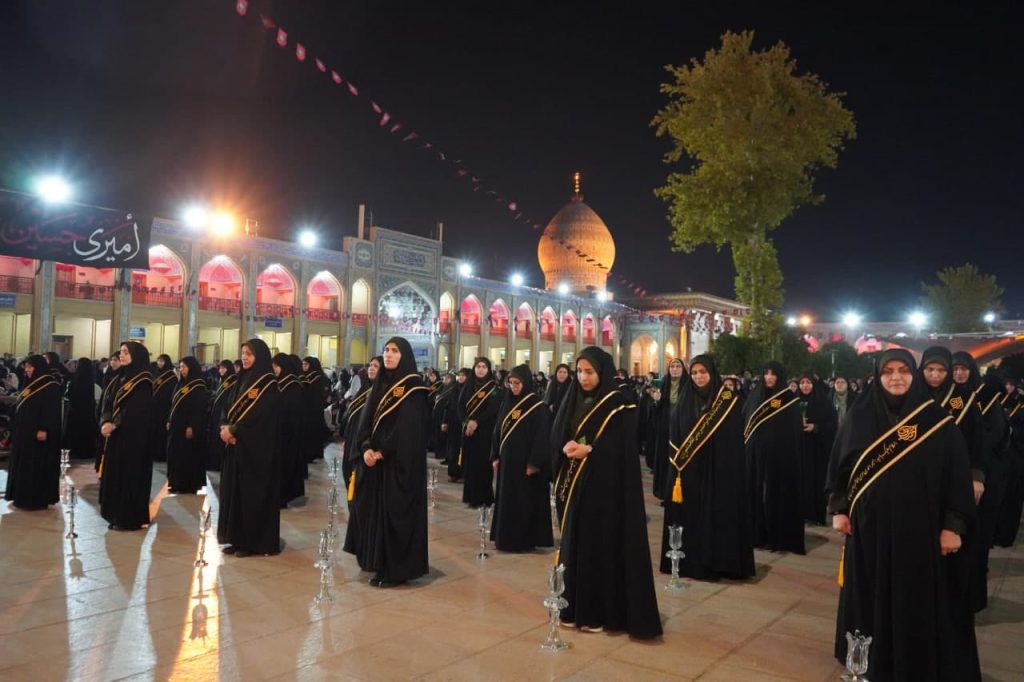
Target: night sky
(148,105)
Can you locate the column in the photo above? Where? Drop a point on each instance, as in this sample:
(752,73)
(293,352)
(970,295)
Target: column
(300,342)
(41,334)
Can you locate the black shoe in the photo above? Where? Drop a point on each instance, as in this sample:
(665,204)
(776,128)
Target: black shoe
(376,580)
(230,549)
(386,583)
(242,553)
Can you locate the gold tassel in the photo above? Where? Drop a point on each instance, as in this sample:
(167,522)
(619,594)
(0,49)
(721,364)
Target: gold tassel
(842,558)
(99,471)
(352,487)
(460,456)
(677,490)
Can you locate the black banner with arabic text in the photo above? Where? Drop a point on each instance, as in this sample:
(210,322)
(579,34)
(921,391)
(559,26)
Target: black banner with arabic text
(73,234)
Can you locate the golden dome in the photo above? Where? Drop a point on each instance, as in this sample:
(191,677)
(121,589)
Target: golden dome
(576,228)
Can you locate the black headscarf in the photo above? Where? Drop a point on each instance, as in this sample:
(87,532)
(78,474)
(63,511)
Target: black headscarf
(556,391)
(287,365)
(140,359)
(315,367)
(260,365)
(39,366)
(386,378)
(760,392)
(83,382)
(965,359)
(195,370)
(666,388)
(168,363)
(707,394)
(228,366)
(472,372)
(523,373)
(578,400)
(941,355)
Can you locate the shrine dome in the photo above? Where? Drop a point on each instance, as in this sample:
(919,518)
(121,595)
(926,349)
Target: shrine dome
(576,248)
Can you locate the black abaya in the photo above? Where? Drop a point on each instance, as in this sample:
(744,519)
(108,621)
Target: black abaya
(216,409)
(815,447)
(479,401)
(186,459)
(33,476)
(163,393)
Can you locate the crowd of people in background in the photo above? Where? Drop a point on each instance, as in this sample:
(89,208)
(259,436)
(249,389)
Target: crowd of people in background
(920,466)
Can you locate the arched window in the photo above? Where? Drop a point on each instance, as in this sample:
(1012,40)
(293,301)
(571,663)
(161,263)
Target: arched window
(275,292)
(589,330)
(607,331)
(323,297)
(17,274)
(498,318)
(524,322)
(548,324)
(569,326)
(360,303)
(447,312)
(220,285)
(469,315)
(162,283)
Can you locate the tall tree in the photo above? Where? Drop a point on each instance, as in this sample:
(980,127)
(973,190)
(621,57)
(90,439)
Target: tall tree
(753,133)
(961,297)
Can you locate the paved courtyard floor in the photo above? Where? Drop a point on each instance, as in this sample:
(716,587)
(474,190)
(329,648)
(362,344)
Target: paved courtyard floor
(112,605)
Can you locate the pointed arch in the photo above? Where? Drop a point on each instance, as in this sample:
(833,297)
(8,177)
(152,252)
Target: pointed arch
(497,317)
(360,302)
(589,330)
(447,312)
(569,326)
(524,321)
(548,324)
(275,292)
(220,285)
(607,331)
(162,283)
(469,314)
(324,297)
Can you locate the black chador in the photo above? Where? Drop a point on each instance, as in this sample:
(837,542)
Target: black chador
(315,388)
(351,454)
(217,407)
(609,582)
(521,449)
(164,382)
(186,431)
(706,484)
(662,411)
(454,427)
(292,476)
(438,411)
(819,415)
(106,406)
(902,479)
(126,465)
(33,476)
(1008,517)
(772,428)
(478,405)
(387,529)
(250,514)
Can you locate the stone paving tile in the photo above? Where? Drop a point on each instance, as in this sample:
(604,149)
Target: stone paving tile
(126,605)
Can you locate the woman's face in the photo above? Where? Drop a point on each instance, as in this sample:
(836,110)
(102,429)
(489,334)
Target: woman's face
(392,356)
(793,386)
(770,379)
(183,370)
(587,375)
(277,369)
(934,374)
(222,370)
(305,366)
(248,359)
(515,385)
(562,374)
(961,374)
(841,386)
(30,369)
(806,386)
(699,374)
(675,369)
(126,355)
(160,362)
(896,377)
(372,369)
(480,370)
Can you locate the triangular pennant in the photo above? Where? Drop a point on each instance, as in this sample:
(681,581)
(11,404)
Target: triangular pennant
(242,6)
(282,37)
(321,66)
(376,107)
(353,89)
(336,77)
(300,52)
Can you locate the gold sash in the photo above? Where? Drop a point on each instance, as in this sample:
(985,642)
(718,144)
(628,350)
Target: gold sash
(480,397)
(992,402)
(248,399)
(123,391)
(159,382)
(766,410)
(34,386)
(958,407)
(393,398)
(515,417)
(1014,411)
(226,384)
(180,394)
(891,447)
(700,434)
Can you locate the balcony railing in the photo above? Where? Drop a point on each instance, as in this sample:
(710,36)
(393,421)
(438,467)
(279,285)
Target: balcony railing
(499,329)
(589,338)
(359,319)
(220,305)
(471,328)
(322,314)
(548,335)
(569,335)
(16,285)
(607,339)
(85,292)
(273,310)
(523,330)
(444,326)
(142,296)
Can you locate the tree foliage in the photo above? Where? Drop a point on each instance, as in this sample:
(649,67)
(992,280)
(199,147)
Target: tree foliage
(960,298)
(847,363)
(754,133)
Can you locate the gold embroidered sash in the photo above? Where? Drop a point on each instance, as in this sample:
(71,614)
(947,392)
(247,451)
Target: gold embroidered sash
(229,381)
(35,386)
(766,410)
(479,398)
(393,398)
(958,407)
(180,394)
(891,447)
(704,429)
(248,399)
(515,417)
(159,382)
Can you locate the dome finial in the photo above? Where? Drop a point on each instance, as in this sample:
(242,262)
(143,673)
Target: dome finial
(576,194)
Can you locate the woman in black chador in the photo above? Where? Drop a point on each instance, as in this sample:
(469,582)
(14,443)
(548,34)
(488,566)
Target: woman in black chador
(705,489)
(354,413)
(901,494)
(522,462)
(453,427)
(216,407)
(771,416)
(818,431)
(82,424)
(665,400)
(478,405)
(1009,514)
(126,464)
(186,430)
(315,389)
(439,410)
(387,529)
(33,476)
(293,465)
(163,390)
(250,510)
(106,404)
(600,502)
(558,387)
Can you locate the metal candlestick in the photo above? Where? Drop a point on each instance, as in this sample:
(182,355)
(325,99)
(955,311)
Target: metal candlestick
(555,602)
(204,525)
(675,541)
(332,473)
(857,648)
(324,595)
(332,500)
(323,555)
(332,532)
(72,503)
(65,461)
(485,513)
(432,486)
